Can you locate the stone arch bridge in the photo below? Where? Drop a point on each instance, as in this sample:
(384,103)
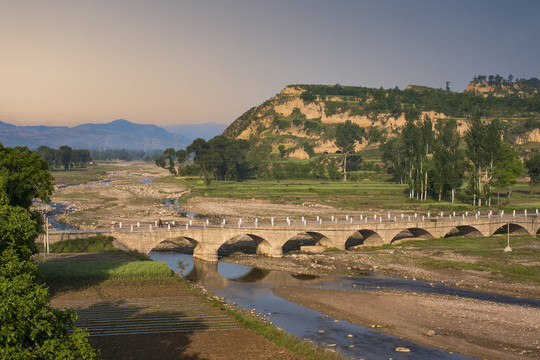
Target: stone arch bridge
(270,239)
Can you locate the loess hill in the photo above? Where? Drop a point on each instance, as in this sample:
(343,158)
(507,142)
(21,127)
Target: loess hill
(302,118)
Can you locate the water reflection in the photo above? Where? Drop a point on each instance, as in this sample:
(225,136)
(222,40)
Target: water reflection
(251,288)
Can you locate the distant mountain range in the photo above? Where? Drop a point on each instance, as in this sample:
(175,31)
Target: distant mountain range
(118,134)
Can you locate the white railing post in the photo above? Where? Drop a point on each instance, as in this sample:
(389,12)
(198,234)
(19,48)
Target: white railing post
(272,221)
(150,227)
(131,228)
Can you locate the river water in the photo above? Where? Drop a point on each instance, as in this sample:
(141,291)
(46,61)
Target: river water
(251,288)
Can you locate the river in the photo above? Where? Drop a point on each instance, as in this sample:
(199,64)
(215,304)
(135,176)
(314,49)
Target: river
(251,288)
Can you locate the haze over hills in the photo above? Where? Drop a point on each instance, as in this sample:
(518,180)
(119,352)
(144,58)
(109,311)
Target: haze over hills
(118,134)
(191,132)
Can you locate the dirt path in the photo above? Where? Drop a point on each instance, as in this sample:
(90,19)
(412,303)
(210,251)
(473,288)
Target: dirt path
(471,327)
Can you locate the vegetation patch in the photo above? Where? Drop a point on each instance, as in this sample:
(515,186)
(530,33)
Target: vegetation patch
(274,334)
(100,271)
(509,272)
(90,244)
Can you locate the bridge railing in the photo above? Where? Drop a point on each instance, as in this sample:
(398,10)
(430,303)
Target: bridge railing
(315,220)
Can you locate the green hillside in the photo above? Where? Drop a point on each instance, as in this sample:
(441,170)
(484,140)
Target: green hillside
(303,118)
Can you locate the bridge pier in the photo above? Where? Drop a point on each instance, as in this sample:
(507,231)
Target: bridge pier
(205,253)
(268,250)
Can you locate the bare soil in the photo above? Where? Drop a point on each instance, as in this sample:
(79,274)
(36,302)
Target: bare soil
(220,344)
(471,327)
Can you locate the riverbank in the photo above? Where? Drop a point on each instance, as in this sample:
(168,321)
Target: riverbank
(162,317)
(471,327)
(475,264)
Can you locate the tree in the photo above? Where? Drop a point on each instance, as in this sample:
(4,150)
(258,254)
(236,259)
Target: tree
(448,159)
(63,156)
(48,154)
(532,164)
(23,177)
(18,231)
(170,155)
(507,169)
(347,134)
(29,327)
(282,151)
(474,139)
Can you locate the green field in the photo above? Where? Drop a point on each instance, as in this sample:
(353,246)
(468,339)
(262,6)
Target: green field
(106,270)
(84,175)
(368,195)
(479,254)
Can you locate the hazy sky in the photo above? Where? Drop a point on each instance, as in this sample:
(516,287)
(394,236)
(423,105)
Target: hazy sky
(65,62)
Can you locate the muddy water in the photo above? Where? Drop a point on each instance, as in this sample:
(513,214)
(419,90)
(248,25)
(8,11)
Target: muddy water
(251,288)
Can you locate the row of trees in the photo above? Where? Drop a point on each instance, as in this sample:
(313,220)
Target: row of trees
(435,161)
(220,158)
(29,327)
(64,157)
(432,161)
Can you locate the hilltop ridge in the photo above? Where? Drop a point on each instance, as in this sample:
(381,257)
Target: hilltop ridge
(303,118)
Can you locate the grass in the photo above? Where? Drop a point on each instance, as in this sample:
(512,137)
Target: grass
(510,272)
(101,271)
(81,176)
(90,244)
(483,254)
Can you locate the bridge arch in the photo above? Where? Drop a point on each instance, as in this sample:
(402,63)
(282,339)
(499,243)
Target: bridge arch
(411,233)
(321,239)
(464,230)
(182,244)
(296,241)
(513,228)
(363,237)
(239,243)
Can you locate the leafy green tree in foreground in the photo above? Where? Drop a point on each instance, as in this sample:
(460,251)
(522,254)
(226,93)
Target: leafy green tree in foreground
(24,176)
(18,231)
(29,327)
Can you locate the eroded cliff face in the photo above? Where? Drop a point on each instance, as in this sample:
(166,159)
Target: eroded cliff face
(304,117)
(289,102)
